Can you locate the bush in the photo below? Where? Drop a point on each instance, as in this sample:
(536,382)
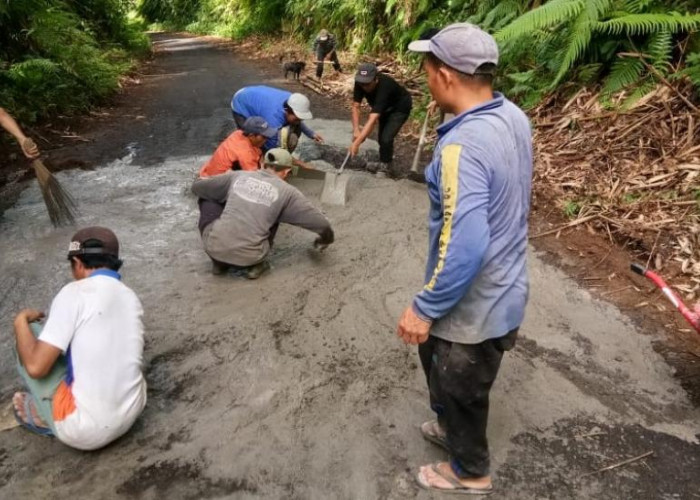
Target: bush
(64,56)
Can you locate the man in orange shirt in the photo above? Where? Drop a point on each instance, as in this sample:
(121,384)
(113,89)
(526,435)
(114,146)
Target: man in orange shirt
(240,150)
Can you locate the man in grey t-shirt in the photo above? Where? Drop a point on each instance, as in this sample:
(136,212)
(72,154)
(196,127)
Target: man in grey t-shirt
(240,212)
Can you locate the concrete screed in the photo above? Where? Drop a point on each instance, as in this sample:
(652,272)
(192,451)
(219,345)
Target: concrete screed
(295,386)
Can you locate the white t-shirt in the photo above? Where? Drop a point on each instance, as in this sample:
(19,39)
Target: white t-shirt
(96,322)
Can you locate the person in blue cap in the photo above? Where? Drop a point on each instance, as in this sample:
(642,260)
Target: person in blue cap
(476,286)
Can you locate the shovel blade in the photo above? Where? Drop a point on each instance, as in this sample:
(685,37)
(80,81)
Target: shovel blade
(335,189)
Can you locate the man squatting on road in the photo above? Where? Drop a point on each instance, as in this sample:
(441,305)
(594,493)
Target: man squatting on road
(390,106)
(282,111)
(241,149)
(324,45)
(241,211)
(83,368)
(476,284)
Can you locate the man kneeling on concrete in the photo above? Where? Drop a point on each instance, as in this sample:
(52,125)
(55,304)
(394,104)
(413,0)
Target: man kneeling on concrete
(241,211)
(240,150)
(83,368)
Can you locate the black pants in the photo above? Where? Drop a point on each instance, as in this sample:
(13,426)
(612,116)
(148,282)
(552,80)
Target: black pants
(460,377)
(389,126)
(320,56)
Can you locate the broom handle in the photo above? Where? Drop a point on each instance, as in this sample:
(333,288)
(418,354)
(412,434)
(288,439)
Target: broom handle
(421,141)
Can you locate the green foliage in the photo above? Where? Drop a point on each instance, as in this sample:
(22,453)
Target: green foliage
(63,56)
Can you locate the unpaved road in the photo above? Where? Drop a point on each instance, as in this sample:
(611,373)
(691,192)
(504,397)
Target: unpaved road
(295,386)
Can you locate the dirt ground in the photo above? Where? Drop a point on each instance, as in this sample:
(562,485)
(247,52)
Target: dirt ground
(296,386)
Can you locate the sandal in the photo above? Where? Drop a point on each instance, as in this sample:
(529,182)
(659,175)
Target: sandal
(432,432)
(30,423)
(456,487)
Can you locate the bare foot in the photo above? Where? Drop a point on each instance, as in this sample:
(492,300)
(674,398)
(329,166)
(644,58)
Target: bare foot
(440,476)
(18,401)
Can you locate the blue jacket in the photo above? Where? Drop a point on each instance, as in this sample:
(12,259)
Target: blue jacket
(267,102)
(479,181)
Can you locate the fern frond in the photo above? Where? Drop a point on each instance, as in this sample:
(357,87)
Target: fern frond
(552,13)
(502,13)
(580,33)
(624,72)
(636,6)
(643,24)
(660,49)
(642,89)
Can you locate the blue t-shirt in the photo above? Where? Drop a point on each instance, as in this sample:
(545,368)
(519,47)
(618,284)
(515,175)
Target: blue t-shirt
(267,102)
(479,184)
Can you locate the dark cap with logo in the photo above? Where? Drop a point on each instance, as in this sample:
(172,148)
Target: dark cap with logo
(366,73)
(258,125)
(93,240)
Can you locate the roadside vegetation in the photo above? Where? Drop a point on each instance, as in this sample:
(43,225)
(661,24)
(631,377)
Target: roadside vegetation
(62,56)
(622,45)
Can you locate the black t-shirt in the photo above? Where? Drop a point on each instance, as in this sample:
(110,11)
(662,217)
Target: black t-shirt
(388,96)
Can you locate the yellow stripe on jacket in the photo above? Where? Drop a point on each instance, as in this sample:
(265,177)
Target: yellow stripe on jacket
(449,176)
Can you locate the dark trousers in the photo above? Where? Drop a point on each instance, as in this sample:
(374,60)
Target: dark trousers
(460,377)
(389,126)
(320,56)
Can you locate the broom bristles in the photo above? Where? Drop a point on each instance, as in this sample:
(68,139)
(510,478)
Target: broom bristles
(59,202)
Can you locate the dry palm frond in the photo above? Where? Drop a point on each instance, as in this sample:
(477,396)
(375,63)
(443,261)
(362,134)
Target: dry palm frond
(59,203)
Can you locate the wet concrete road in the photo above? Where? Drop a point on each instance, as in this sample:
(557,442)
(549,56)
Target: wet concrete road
(295,386)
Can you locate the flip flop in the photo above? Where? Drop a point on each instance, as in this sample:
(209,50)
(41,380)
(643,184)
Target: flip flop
(457,488)
(30,424)
(431,432)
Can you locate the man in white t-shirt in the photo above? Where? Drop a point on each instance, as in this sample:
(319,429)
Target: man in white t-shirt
(83,368)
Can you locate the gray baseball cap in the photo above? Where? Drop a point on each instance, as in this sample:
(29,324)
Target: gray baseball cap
(366,72)
(258,125)
(462,46)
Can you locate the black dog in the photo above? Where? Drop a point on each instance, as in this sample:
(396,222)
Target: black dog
(295,68)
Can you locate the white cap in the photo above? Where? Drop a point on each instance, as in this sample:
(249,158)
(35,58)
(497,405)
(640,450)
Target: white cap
(301,106)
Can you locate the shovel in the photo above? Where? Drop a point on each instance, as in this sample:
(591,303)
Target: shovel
(335,186)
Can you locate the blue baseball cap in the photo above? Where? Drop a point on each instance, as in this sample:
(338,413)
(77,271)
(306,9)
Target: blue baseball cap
(258,125)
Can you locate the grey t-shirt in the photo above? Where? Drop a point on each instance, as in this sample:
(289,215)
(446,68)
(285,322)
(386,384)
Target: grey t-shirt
(255,202)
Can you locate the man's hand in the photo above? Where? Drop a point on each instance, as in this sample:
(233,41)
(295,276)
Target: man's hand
(318,138)
(320,244)
(354,147)
(412,329)
(29,315)
(355,134)
(29,148)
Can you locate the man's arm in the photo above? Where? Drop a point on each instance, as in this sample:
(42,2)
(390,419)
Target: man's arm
(36,356)
(364,134)
(29,148)
(465,233)
(213,188)
(300,212)
(356,108)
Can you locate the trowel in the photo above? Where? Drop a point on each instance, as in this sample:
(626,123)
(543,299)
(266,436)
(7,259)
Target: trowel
(335,186)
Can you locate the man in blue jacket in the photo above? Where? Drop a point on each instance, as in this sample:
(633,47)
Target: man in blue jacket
(476,284)
(281,109)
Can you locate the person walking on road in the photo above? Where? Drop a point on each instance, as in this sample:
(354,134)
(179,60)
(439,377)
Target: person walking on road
(240,150)
(476,284)
(29,147)
(279,108)
(390,107)
(325,45)
(241,211)
(83,368)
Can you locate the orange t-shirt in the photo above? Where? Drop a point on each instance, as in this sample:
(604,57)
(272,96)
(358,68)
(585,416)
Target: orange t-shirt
(236,148)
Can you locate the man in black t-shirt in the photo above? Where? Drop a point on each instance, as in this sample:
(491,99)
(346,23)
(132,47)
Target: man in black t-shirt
(390,106)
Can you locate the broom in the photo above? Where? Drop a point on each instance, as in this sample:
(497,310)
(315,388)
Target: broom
(59,203)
